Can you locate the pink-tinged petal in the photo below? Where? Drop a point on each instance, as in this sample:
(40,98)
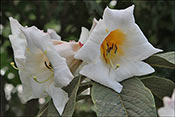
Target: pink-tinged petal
(53,35)
(67,50)
(169,107)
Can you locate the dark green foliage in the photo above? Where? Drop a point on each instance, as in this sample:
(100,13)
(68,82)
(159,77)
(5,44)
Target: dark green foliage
(70,106)
(165,60)
(160,87)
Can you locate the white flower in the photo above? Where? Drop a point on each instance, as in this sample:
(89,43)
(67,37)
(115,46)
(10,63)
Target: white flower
(85,33)
(169,107)
(43,71)
(115,49)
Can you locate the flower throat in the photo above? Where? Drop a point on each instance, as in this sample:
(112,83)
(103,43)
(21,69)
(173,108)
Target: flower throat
(110,47)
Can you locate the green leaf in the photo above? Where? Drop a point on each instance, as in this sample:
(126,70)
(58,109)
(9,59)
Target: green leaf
(43,111)
(48,110)
(158,102)
(72,90)
(164,60)
(52,111)
(159,86)
(134,100)
(168,56)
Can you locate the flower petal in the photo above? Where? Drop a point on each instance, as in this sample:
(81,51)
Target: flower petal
(39,89)
(99,72)
(35,45)
(94,24)
(53,34)
(18,45)
(84,35)
(167,101)
(27,89)
(130,69)
(85,32)
(91,50)
(67,50)
(110,77)
(40,40)
(169,106)
(136,46)
(35,67)
(31,88)
(15,26)
(18,42)
(59,97)
(166,112)
(118,19)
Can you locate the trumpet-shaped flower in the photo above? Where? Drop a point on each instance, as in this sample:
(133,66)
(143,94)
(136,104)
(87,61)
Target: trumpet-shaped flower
(41,62)
(115,49)
(169,107)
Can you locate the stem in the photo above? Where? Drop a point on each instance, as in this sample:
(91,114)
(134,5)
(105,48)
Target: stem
(83,78)
(81,97)
(84,86)
(74,65)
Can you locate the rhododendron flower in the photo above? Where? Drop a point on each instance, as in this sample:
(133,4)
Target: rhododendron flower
(169,107)
(41,63)
(115,49)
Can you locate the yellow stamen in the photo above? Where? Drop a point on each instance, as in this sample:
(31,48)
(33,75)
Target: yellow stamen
(13,65)
(28,49)
(35,78)
(117,66)
(111,47)
(107,30)
(110,62)
(45,52)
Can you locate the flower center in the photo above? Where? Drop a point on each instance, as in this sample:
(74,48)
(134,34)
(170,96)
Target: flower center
(48,65)
(111,47)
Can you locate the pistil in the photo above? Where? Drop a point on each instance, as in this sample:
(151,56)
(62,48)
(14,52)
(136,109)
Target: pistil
(13,65)
(35,78)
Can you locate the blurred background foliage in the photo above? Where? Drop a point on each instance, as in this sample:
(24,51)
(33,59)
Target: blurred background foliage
(155,18)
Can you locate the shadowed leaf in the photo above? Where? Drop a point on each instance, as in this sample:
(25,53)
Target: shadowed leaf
(52,112)
(159,86)
(164,60)
(70,106)
(43,111)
